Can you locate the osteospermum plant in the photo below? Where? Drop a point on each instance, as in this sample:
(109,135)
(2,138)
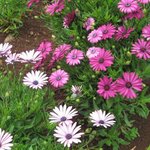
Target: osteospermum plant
(113,37)
(97,70)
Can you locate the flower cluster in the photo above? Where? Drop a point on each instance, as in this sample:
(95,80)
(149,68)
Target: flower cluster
(67,131)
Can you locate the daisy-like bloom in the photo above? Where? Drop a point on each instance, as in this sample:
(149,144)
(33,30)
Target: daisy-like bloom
(5,140)
(95,36)
(123,33)
(11,58)
(5,49)
(45,48)
(138,14)
(107,30)
(100,118)
(68,134)
(30,3)
(102,61)
(61,51)
(35,79)
(146,32)
(128,6)
(74,57)
(68,19)
(55,7)
(93,52)
(89,23)
(59,78)
(106,88)
(63,114)
(127,85)
(31,56)
(144,1)
(141,49)
(76,90)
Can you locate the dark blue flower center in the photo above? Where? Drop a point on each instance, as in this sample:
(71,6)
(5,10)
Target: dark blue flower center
(105,31)
(106,87)
(101,60)
(68,136)
(35,82)
(128,85)
(101,122)
(74,56)
(143,49)
(93,51)
(127,4)
(94,35)
(58,78)
(63,119)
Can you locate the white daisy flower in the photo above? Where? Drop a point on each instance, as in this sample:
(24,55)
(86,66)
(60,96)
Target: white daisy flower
(93,52)
(76,90)
(31,56)
(100,118)
(5,140)
(68,134)
(12,58)
(62,114)
(5,49)
(35,79)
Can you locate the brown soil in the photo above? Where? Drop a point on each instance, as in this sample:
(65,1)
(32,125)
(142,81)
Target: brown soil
(32,34)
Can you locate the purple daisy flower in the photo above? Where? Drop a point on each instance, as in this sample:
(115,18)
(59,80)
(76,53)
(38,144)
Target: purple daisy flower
(74,57)
(95,36)
(106,88)
(128,83)
(123,33)
(107,30)
(102,61)
(128,6)
(146,32)
(141,49)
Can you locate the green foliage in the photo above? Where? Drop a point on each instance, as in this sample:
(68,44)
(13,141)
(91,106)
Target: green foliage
(24,113)
(103,12)
(12,13)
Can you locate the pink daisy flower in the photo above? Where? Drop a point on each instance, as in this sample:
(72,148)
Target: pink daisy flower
(106,88)
(127,85)
(141,49)
(123,33)
(68,19)
(146,32)
(29,4)
(128,6)
(74,57)
(107,30)
(60,51)
(138,14)
(55,7)
(88,25)
(144,1)
(45,47)
(95,36)
(102,61)
(59,78)
(93,52)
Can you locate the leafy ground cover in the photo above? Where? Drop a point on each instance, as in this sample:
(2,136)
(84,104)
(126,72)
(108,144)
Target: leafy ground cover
(40,130)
